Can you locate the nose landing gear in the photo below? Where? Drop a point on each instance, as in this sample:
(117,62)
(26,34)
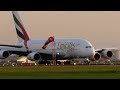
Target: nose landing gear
(87,61)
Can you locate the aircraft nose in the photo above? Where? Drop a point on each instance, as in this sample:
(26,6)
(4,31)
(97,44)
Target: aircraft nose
(91,52)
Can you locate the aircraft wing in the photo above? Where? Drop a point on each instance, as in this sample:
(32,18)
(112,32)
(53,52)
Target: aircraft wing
(31,54)
(48,54)
(105,53)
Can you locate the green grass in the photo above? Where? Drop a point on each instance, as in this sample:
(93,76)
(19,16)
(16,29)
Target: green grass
(61,72)
(58,75)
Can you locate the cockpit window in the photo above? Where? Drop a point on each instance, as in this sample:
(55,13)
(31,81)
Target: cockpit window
(88,46)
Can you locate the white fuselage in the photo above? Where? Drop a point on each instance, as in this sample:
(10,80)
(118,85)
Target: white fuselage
(73,48)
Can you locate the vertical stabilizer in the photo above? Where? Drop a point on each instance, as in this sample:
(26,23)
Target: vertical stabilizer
(20,30)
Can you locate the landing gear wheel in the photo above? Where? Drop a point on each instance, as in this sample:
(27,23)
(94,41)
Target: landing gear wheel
(87,62)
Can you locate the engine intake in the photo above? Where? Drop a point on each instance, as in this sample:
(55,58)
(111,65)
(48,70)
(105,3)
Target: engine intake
(107,54)
(33,56)
(97,56)
(4,54)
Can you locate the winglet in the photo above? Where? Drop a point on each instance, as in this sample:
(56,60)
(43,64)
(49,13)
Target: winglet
(50,39)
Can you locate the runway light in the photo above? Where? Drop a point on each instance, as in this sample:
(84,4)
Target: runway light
(74,63)
(35,64)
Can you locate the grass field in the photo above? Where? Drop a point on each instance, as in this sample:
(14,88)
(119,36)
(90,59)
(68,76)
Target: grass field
(61,72)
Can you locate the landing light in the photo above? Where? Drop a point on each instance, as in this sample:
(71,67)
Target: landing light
(74,63)
(58,53)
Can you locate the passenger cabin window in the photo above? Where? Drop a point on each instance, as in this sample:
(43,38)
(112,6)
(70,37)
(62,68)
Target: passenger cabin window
(88,46)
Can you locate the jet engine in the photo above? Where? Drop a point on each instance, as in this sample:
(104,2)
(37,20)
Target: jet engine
(33,56)
(4,54)
(97,56)
(106,54)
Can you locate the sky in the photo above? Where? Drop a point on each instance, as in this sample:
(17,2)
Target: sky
(101,28)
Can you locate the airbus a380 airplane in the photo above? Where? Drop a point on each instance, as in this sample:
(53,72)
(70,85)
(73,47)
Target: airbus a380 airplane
(43,49)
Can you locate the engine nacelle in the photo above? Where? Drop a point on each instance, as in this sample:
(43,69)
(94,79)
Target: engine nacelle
(33,56)
(106,54)
(97,56)
(4,54)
